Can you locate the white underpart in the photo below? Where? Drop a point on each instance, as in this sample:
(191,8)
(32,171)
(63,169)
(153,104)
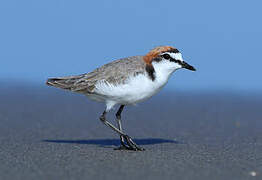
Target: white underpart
(137,88)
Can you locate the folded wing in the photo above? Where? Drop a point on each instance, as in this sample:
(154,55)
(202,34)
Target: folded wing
(116,72)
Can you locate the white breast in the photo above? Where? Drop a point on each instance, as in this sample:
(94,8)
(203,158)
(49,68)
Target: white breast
(136,89)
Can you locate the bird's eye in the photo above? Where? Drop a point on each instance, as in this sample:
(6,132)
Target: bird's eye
(166,56)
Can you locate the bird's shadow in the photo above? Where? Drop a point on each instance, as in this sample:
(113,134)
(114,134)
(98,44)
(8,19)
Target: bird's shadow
(110,142)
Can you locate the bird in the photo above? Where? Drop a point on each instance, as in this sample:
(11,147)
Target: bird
(126,81)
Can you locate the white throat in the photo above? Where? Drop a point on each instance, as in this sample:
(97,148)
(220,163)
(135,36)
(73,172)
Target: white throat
(164,69)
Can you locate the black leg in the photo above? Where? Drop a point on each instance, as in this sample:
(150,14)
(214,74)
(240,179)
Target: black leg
(123,146)
(119,124)
(131,144)
(103,119)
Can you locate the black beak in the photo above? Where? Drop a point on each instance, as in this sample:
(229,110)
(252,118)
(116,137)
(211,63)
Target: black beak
(187,66)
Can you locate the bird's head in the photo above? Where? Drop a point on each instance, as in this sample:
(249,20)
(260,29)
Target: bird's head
(166,57)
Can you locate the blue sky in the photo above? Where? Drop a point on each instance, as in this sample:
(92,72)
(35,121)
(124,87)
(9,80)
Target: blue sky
(48,38)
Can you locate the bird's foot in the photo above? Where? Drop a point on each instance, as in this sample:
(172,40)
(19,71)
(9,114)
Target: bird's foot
(122,147)
(131,144)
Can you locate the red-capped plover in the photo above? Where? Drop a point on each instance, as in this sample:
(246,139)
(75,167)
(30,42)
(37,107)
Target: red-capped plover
(126,81)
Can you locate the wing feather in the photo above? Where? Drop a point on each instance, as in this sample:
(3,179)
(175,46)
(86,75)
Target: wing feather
(116,72)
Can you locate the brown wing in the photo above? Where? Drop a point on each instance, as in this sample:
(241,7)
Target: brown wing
(115,72)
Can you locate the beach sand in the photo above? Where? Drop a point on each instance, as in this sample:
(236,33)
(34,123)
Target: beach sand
(46,133)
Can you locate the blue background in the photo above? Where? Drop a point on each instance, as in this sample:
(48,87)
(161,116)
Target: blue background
(48,38)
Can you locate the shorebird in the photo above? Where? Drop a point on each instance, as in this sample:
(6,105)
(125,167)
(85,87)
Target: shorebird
(124,82)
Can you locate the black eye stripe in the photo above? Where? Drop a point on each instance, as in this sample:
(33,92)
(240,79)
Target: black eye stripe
(166,56)
(176,61)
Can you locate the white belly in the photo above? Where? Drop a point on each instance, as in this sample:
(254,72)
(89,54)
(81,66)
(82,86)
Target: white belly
(137,89)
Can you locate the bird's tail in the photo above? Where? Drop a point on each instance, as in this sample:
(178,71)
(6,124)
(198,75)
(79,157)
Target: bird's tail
(73,83)
(61,82)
